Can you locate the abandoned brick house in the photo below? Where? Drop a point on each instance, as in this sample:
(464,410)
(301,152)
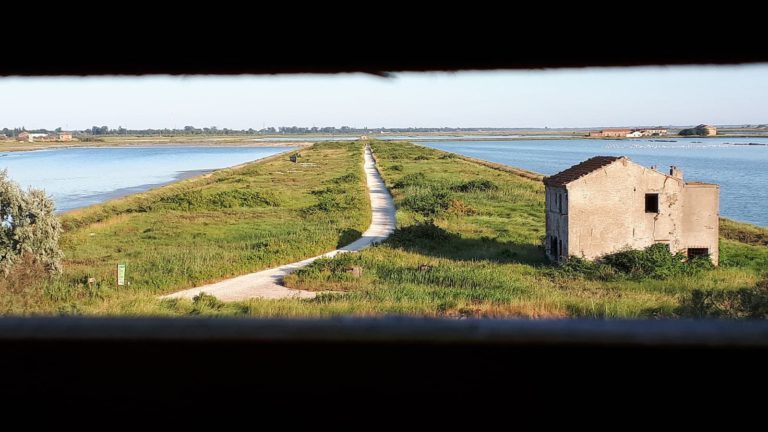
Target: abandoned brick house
(607,204)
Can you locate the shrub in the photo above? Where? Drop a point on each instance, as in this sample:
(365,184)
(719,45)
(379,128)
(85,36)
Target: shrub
(417,233)
(655,261)
(19,290)
(459,207)
(421,157)
(576,266)
(28,227)
(241,198)
(196,200)
(427,202)
(332,199)
(352,177)
(204,301)
(751,303)
(415,179)
(478,185)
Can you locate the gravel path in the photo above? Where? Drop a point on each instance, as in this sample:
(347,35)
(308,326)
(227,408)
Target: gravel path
(268,283)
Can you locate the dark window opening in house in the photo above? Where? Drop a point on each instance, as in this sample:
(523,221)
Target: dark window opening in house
(651,203)
(697,252)
(560,203)
(560,249)
(553,246)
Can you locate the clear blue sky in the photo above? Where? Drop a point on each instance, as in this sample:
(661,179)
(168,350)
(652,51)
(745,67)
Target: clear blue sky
(552,98)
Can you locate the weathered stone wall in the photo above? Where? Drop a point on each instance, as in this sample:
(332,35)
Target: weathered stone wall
(701,218)
(605,212)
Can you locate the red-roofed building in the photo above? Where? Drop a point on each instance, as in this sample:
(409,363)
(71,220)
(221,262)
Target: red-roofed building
(610,133)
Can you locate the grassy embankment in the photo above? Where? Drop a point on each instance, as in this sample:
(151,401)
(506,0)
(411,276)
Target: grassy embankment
(200,230)
(156,140)
(482,255)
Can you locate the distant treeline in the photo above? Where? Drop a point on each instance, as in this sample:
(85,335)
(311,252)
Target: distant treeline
(213,130)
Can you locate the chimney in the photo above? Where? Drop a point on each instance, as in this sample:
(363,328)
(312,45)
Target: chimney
(676,172)
(654,167)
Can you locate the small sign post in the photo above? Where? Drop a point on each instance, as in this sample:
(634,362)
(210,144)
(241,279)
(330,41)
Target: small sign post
(120,274)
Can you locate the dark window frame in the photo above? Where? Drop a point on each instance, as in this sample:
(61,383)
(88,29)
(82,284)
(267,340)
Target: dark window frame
(652,203)
(692,253)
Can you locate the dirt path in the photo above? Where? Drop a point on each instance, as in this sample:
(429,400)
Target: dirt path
(267,283)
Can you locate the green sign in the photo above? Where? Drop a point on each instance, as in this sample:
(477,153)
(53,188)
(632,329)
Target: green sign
(120,274)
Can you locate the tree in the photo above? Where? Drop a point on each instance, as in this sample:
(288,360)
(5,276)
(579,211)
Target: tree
(29,227)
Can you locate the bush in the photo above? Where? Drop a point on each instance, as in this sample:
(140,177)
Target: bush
(576,266)
(242,198)
(655,261)
(415,179)
(481,185)
(29,228)
(332,199)
(751,303)
(417,233)
(352,177)
(237,198)
(459,207)
(205,301)
(427,202)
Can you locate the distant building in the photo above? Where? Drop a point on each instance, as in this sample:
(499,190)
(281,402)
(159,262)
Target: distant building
(65,136)
(30,137)
(629,133)
(3,137)
(610,133)
(652,132)
(700,130)
(607,204)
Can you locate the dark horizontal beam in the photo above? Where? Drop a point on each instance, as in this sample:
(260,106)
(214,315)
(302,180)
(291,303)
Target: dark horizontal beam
(710,333)
(379,66)
(475,43)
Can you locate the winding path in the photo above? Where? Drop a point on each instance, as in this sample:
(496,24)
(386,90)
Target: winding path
(267,283)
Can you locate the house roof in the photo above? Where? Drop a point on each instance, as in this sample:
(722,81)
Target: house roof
(580,170)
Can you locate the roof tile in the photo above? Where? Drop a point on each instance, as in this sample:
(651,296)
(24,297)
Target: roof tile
(580,170)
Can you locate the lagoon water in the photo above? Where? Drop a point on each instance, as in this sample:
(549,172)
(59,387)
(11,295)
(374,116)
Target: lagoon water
(78,177)
(385,137)
(739,168)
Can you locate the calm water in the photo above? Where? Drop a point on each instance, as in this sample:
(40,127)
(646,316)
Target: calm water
(740,170)
(79,177)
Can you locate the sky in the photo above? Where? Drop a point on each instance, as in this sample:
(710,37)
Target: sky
(590,97)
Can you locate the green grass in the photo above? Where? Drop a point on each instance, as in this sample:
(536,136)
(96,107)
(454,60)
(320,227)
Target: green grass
(468,244)
(201,230)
